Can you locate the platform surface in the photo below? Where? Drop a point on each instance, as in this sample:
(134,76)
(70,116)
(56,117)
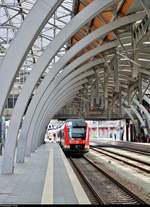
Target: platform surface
(46,177)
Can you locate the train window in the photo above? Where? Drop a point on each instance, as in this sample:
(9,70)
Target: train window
(10,101)
(69,129)
(79,132)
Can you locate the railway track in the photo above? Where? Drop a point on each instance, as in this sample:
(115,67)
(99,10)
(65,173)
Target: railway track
(105,188)
(134,150)
(123,148)
(138,149)
(128,160)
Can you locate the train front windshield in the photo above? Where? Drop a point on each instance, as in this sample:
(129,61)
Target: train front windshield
(79,133)
(76,130)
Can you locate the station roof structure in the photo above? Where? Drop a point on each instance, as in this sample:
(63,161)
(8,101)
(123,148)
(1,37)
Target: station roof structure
(73,57)
(131,51)
(12,15)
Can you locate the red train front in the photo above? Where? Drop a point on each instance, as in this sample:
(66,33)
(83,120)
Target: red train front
(74,136)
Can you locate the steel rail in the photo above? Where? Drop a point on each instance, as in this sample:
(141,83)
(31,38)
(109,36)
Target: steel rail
(124,188)
(126,162)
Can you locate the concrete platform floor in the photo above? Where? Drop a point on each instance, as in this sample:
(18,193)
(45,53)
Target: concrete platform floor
(44,178)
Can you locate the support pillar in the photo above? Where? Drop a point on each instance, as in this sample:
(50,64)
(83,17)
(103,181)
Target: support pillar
(105,89)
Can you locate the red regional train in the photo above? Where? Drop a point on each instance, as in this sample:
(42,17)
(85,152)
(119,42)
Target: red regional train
(74,136)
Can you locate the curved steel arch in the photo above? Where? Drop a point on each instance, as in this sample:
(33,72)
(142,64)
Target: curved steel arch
(31,139)
(19,49)
(81,44)
(146,113)
(57,108)
(140,119)
(68,98)
(144,110)
(70,79)
(66,71)
(58,102)
(75,49)
(22,43)
(21,148)
(31,110)
(61,87)
(87,40)
(132,118)
(83,17)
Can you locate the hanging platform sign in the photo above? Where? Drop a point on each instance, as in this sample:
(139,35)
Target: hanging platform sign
(143,126)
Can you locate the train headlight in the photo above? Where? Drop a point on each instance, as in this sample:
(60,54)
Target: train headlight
(67,147)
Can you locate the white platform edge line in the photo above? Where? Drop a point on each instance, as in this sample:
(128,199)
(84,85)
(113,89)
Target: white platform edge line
(79,192)
(47,195)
